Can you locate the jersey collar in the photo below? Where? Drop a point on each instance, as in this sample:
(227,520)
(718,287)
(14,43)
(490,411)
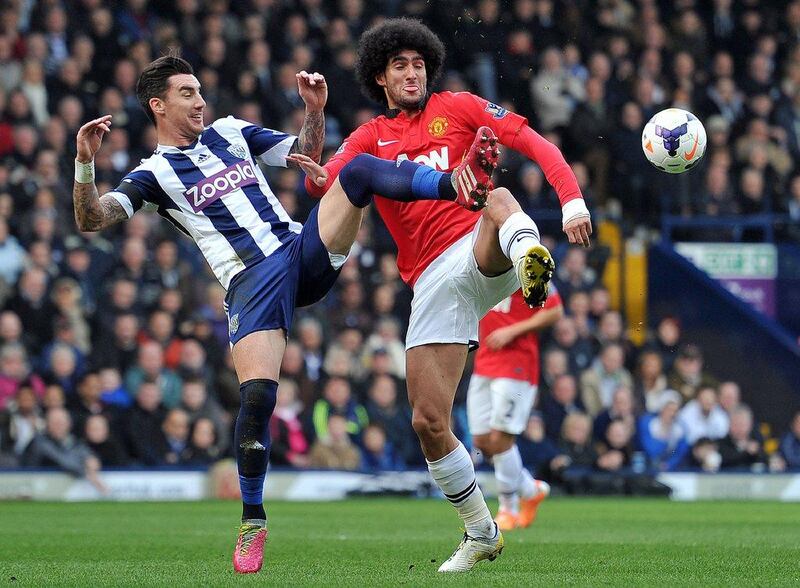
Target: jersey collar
(175,149)
(395,112)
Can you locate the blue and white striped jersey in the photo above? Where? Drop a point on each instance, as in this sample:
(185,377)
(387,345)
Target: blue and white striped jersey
(214,191)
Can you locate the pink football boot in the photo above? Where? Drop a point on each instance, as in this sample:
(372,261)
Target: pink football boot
(249,553)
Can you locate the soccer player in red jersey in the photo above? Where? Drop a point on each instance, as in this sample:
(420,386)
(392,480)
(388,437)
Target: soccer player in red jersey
(501,393)
(458,261)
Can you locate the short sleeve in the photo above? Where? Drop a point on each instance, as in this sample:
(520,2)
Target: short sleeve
(268,145)
(137,189)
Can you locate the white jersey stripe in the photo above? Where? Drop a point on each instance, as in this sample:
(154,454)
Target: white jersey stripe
(240,208)
(217,250)
(295,227)
(278,154)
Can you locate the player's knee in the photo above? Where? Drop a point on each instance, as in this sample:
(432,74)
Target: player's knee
(428,424)
(483,444)
(501,195)
(500,442)
(259,396)
(500,205)
(355,180)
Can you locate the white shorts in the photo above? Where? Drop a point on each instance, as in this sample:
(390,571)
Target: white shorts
(451,296)
(499,404)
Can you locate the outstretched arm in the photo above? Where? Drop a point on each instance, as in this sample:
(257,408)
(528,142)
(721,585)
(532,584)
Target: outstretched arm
(513,131)
(576,221)
(539,321)
(314,92)
(92,212)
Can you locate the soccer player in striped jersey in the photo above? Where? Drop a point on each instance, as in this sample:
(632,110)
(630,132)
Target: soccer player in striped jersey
(205,180)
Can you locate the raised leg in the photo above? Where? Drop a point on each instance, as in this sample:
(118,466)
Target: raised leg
(507,237)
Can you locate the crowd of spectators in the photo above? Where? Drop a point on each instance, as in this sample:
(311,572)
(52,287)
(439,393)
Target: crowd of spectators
(113,345)
(647,417)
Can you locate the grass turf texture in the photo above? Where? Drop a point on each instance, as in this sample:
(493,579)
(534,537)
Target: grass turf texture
(387,542)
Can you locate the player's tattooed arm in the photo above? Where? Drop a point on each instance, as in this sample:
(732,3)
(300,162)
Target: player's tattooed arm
(311,139)
(94,212)
(313,89)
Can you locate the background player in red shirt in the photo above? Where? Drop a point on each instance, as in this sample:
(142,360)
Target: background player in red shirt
(457,261)
(502,392)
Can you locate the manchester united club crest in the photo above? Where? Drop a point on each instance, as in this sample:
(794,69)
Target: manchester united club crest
(438,126)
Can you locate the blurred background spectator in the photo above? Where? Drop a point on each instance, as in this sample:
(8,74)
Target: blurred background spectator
(790,444)
(56,446)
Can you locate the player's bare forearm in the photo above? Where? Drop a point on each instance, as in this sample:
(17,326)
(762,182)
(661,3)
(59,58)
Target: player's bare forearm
(311,139)
(93,212)
(539,321)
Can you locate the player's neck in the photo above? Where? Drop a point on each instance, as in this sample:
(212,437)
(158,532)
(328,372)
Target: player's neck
(174,138)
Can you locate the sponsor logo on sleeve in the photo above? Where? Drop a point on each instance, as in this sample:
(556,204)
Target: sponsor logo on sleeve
(221,183)
(496,110)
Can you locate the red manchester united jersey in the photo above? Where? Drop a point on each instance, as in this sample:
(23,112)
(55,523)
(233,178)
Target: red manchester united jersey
(438,137)
(519,360)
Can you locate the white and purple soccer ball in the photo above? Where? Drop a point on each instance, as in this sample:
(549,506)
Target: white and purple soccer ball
(674,140)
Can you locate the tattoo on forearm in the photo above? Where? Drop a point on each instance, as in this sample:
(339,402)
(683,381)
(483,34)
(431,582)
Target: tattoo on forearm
(311,139)
(92,212)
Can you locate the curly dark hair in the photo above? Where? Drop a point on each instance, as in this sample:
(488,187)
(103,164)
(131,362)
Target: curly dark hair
(385,40)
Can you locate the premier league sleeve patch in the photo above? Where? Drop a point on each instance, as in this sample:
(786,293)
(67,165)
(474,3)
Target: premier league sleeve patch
(496,110)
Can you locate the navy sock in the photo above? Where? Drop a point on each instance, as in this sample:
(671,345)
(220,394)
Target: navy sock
(252,443)
(407,181)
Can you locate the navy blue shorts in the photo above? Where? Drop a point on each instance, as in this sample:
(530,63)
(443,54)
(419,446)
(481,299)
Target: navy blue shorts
(264,296)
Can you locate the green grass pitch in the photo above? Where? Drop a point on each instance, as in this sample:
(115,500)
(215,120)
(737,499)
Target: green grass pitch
(388,542)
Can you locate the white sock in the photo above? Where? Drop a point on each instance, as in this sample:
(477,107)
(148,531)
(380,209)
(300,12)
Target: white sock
(527,485)
(509,502)
(455,475)
(508,470)
(512,478)
(518,234)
